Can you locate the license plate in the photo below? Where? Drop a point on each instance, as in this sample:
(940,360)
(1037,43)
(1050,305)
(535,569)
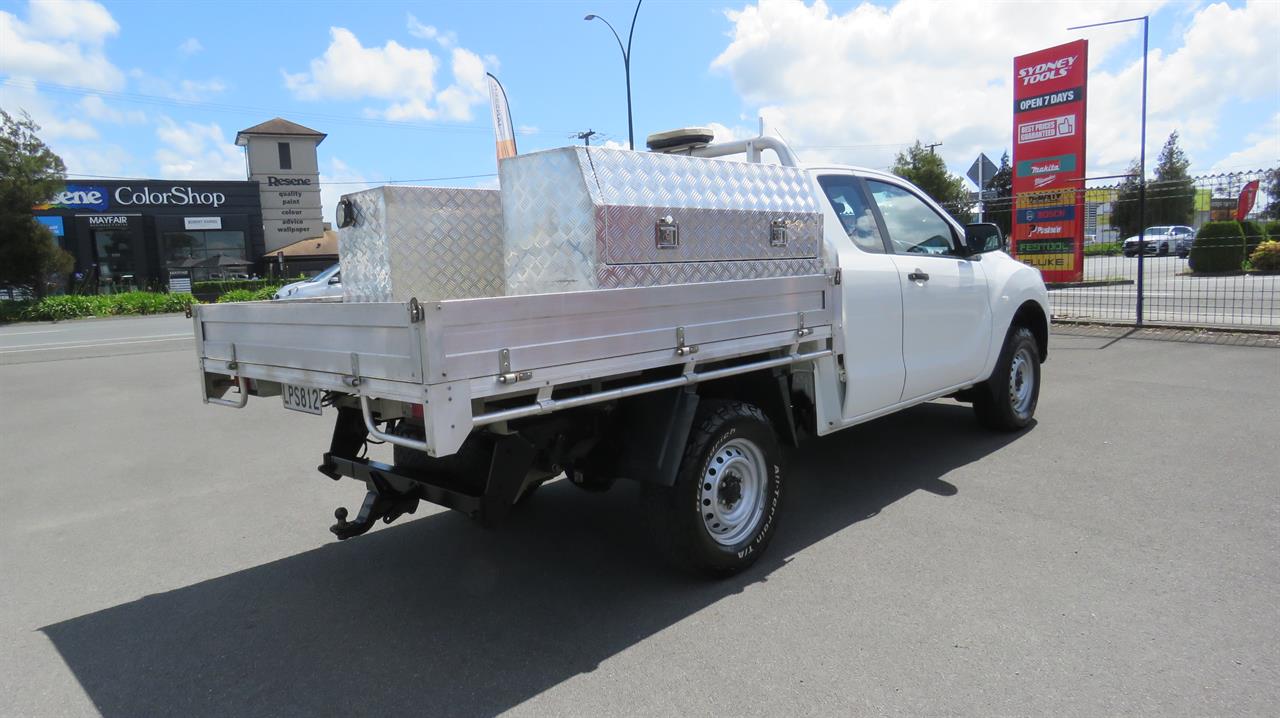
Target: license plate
(301,398)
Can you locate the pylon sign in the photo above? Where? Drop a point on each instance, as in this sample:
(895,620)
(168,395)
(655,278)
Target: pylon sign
(1048,159)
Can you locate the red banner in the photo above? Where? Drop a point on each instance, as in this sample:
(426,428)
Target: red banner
(1245,204)
(1048,159)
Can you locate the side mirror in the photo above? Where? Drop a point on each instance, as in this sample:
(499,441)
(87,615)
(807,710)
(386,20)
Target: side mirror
(982,237)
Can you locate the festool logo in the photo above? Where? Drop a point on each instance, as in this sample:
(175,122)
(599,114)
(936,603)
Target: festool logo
(78,196)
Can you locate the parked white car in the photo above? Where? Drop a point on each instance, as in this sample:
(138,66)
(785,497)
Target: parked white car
(325,284)
(1163,240)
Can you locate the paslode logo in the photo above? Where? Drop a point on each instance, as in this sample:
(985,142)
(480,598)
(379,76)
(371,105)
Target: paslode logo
(1046,229)
(1046,70)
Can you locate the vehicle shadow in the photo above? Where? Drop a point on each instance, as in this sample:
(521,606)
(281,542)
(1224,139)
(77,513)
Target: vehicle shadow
(437,612)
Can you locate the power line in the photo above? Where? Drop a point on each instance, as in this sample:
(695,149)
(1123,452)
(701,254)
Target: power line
(77,175)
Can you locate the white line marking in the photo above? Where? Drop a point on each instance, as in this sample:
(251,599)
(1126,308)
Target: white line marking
(89,346)
(47,331)
(81,342)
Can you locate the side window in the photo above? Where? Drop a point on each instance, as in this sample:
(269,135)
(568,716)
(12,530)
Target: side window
(914,228)
(850,204)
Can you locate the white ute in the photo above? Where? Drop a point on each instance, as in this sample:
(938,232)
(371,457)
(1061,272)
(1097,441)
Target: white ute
(665,317)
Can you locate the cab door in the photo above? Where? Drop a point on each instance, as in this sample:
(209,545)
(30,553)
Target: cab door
(871,298)
(946,313)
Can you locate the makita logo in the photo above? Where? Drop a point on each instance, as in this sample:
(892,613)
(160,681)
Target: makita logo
(288,181)
(1046,71)
(1053,229)
(1039,168)
(1042,181)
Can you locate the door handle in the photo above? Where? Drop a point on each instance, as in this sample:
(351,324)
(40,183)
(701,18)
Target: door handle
(918,276)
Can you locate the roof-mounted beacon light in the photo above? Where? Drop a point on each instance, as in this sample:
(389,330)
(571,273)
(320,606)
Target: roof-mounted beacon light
(680,141)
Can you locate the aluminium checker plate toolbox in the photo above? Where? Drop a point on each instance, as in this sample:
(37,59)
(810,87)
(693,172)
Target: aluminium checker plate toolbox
(425,242)
(581,218)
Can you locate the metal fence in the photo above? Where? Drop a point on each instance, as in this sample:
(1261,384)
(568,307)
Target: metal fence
(1165,283)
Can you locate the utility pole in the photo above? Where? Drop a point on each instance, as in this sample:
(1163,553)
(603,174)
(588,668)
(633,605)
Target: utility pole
(931,146)
(586,136)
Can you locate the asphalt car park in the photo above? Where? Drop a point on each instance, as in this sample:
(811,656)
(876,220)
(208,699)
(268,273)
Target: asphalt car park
(164,557)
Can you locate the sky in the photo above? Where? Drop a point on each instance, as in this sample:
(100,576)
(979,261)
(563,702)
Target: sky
(159,89)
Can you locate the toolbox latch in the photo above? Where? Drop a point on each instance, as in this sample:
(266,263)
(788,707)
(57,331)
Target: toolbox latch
(666,233)
(778,233)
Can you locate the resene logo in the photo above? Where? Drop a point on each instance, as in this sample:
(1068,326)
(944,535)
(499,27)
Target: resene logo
(78,196)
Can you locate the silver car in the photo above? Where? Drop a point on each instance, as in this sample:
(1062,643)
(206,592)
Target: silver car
(1162,240)
(325,284)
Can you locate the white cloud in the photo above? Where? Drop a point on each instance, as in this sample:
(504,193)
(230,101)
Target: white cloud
(60,42)
(191,150)
(405,77)
(1262,153)
(857,86)
(348,70)
(97,108)
(99,160)
(54,123)
(190,46)
(430,32)
(184,90)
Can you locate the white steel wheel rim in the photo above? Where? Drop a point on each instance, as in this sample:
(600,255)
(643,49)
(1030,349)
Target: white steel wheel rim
(1022,380)
(731,496)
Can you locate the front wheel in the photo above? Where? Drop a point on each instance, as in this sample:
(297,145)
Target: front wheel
(1007,401)
(721,513)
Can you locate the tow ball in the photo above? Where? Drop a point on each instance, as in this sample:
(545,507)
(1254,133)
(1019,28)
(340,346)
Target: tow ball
(379,503)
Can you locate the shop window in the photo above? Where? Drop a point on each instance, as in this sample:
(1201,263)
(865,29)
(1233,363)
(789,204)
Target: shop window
(286,159)
(208,255)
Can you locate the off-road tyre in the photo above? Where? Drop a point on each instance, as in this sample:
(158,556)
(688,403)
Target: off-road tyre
(683,518)
(1002,403)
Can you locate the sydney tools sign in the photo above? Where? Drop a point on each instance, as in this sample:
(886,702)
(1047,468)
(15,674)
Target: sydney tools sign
(1048,159)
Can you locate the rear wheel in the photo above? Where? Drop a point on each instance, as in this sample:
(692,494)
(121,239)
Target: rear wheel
(721,513)
(1007,401)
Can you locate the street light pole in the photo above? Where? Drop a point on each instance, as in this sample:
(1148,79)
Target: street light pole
(626,64)
(1142,158)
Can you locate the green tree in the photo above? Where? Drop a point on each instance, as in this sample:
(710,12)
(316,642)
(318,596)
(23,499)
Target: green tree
(1124,208)
(1171,197)
(30,173)
(999,204)
(927,171)
(1271,185)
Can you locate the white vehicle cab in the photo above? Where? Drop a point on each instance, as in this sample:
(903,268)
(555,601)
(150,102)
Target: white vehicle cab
(664,317)
(1162,240)
(325,284)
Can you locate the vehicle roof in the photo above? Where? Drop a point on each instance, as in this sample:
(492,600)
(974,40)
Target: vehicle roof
(852,168)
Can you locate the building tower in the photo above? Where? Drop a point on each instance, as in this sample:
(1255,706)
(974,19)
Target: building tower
(281,158)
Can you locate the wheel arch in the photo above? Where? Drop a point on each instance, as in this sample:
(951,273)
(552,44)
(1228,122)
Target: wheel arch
(1032,316)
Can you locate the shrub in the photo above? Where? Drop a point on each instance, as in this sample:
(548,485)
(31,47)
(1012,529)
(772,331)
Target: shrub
(1267,256)
(1219,247)
(1272,229)
(13,311)
(1102,249)
(72,306)
(237,295)
(1253,236)
(221,286)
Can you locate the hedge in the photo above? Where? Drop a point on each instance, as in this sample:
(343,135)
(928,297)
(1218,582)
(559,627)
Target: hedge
(222,286)
(1272,229)
(1253,236)
(71,306)
(247,295)
(1102,249)
(1219,247)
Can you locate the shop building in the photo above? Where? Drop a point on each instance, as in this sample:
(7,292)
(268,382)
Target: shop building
(138,234)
